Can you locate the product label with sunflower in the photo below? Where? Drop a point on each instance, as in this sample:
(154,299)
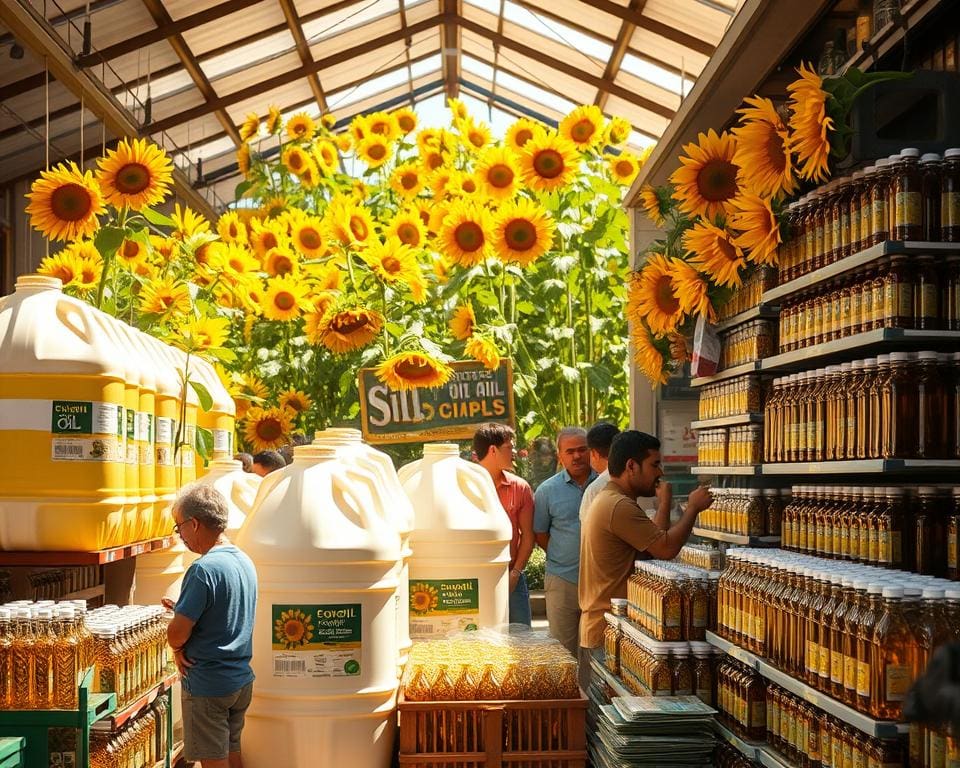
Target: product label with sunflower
(438,606)
(86,431)
(316,640)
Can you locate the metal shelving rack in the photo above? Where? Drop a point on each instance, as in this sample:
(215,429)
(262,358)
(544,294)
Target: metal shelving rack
(735,538)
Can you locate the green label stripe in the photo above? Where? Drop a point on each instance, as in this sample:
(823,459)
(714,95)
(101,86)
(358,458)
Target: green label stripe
(444,597)
(316,627)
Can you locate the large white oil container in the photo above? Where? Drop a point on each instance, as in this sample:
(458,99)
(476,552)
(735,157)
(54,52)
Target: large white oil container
(221,418)
(324,647)
(61,401)
(350,447)
(144,431)
(459,577)
(185,426)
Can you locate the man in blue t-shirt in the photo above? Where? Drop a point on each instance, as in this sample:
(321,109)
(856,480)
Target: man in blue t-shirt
(212,631)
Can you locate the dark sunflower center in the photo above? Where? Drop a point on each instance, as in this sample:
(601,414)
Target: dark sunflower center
(412,370)
(202,254)
(359,228)
(268,430)
(476,138)
(776,153)
(65,274)
(523,136)
(284,301)
(548,163)
(624,167)
(133,178)
(233,230)
(270,240)
(392,265)
(406,123)
(380,127)
(434,161)
(236,265)
(408,181)
(425,217)
(500,176)
(282,266)
(71,202)
(468,236)
(520,235)
(348,324)
(130,249)
(469,186)
(377,151)
(583,130)
(726,249)
(310,239)
(296,161)
(166,299)
(717,180)
(408,234)
(666,301)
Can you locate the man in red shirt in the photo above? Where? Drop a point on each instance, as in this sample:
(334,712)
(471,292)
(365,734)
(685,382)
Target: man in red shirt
(493,447)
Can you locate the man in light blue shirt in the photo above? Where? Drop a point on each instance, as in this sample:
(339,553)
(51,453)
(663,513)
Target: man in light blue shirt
(556,526)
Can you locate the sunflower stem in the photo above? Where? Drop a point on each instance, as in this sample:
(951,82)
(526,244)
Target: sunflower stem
(588,311)
(386,333)
(542,408)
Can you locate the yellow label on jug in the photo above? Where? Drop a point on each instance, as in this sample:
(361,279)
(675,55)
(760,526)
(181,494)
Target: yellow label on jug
(85,431)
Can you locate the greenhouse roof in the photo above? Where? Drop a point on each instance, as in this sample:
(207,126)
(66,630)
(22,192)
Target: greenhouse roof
(188,71)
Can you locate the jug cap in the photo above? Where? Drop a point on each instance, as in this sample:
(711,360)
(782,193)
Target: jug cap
(38,283)
(441,449)
(344,434)
(315,452)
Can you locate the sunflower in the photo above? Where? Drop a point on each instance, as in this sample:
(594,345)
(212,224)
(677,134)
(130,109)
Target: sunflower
(167,296)
(264,236)
(759,231)
(706,181)
(650,354)
(266,429)
(715,253)
(202,333)
(308,238)
(412,370)
(323,277)
(408,228)
(325,153)
(476,136)
(549,162)
(651,204)
(348,223)
(344,142)
(423,597)
(438,212)
(440,182)
(583,126)
(350,328)
(618,131)
(295,400)
(313,324)
(296,160)
(280,261)
(809,125)
(406,120)
(358,129)
(243,160)
(311,175)
(65,203)
(440,268)
(658,304)
(522,232)
(463,322)
(231,229)
(274,120)
(391,261)
(427,139)
(187,223)
(136,174)
(383,124)
(520,133)
(432,160)
(624,167)
(301,127)
(691,290)
(466,233)
(374,150)
(763,155)
(483,350)
(90,265)
(499,173)
(285,299)
(233,259)
(132,252)
(273,207)
(293,629)
(458,109)
(407,180)
(462,184)
(64,266)
(250,127)
(163,247)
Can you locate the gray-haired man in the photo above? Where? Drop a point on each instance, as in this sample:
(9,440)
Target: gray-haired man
(212,630)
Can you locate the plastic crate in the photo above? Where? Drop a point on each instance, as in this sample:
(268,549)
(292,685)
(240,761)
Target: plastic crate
(493,734)
(11,752)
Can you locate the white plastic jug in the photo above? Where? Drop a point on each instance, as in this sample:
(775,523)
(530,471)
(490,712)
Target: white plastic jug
(324,648)
(350,447)
(63,484)
(459,577)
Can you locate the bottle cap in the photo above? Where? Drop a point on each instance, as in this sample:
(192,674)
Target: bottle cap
(44,614)
(951,153)
(952,593)
(933,593)
(893,591)
(869,170)
(5,614)
(927,355)
(910,152)
(930,157)
(882,164)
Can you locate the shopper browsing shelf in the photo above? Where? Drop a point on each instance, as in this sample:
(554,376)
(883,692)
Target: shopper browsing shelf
(599,438)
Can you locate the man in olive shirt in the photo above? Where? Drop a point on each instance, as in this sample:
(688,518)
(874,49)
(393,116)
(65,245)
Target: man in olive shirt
(616,530)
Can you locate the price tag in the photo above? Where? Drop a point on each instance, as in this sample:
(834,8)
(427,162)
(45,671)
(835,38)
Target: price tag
(111,556)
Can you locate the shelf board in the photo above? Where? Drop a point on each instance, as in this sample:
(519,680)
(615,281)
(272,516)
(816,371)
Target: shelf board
(864,344)
(767,756)
(734,538)
(134,708)
(728,421)
(727,373)
(891,35)
(749,749)
(99,705)
(747,471)
(855,261)
(640,635)
(85,594)
(762,310)
(98,557)
(865,466)
(881,729)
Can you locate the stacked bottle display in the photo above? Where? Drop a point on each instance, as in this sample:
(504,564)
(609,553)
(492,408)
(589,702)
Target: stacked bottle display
(747,343)
(913,292)
(704,556)
(130,650)
(740,395)
(859,634)
(807,736)
(725,756)
(911,527)
(905,197)
(140,743)
(741,699)
(748,295)
(45,649)
(745,511)
(672,601)
(903,405)
(732,447)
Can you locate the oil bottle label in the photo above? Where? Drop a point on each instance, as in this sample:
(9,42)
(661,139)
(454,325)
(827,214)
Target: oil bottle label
(146,437)
(164,447)
(223,441)
(131,430)
(909,209)
(316,640)
(938,749)
(863,679)
(836,667)
(440,606)
(859,759)
(898,681)
(84,431)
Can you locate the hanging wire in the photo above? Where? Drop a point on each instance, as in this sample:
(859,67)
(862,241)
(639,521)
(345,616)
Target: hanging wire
(46,119)
(83,145)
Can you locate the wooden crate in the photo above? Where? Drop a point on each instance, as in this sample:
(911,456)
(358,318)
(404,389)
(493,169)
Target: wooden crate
(493,734)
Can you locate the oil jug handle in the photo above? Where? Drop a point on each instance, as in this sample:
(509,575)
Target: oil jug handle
(67,311)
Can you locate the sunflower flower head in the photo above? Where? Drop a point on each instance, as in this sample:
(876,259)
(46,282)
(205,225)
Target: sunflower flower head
(520,132)
(413,370)
(266,429)
(406,120)
(657,303)
(295,400)
(484,350)
(651,354)
(250,127)
(652,204)
(715,253)
(285,299)
(624,167)
(274,121)
(375,150)
(301,127)
(231,229)
(809,125)
(308,238)
(407,180)
(618,131)
(549,162)
(135,175)
(706,181)
(465,235)
(167,298)
(187,223)
(583,127)
(408,227)
(383,124)
(523,232)
(498,172)
(391,261)
(690,288)
(759,230)
(200,334)
(763,148)
(65,203)
(345,329)
(463,322)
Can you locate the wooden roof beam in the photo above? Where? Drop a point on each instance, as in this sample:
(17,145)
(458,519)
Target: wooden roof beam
(652,25)
(407,41)
(450,47)
(618,52)
(164,31)
(303,51)
(258,89)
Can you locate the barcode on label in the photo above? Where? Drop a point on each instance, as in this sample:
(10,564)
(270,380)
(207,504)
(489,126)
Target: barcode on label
(425,629)
(289,665)
(68,450)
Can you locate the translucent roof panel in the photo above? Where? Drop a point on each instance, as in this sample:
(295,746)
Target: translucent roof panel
(203,65)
